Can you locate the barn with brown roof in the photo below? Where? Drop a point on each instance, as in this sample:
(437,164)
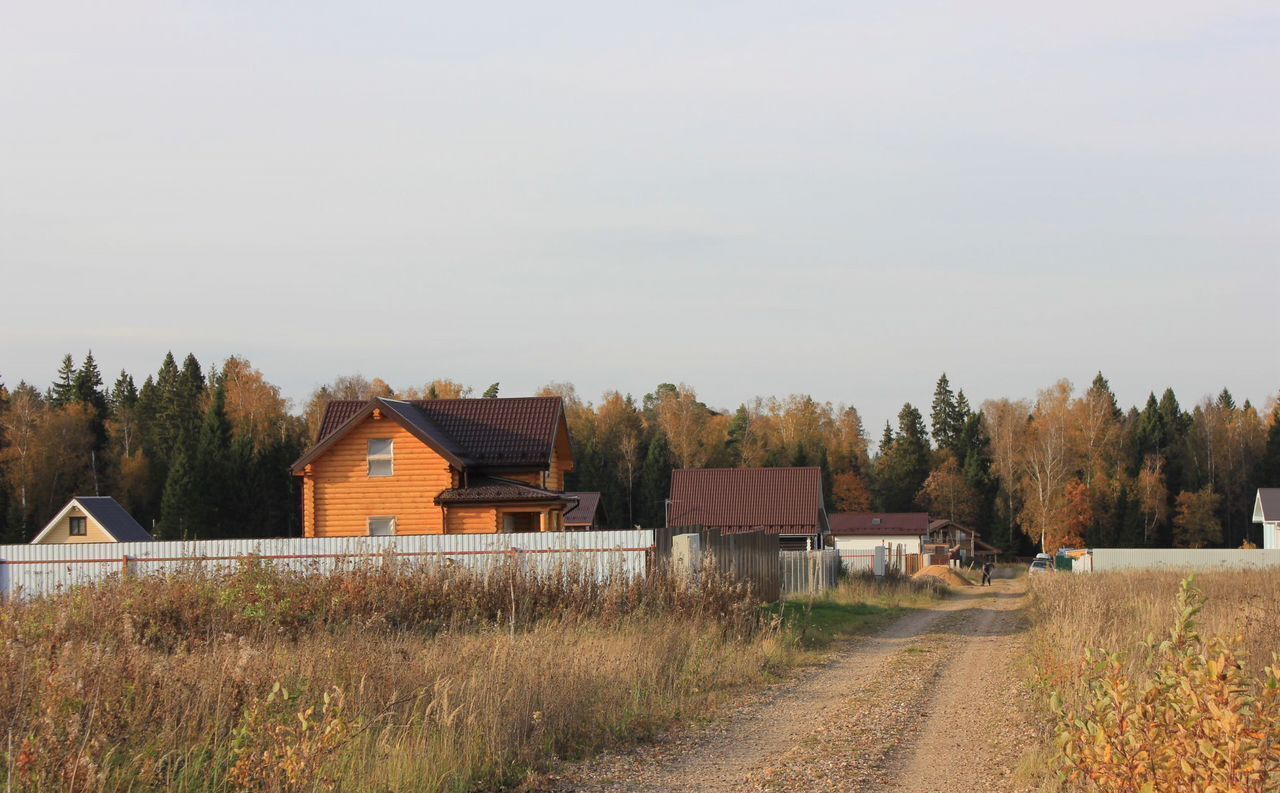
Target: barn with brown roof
(441,466)
(783,501)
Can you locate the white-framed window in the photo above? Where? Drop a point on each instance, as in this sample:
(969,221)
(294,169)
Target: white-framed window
(79,527)
(381,457)
(382,526)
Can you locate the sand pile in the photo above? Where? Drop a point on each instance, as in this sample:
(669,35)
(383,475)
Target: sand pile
(944,574)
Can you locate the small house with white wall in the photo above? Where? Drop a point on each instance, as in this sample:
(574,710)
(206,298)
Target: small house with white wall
(863,532)
(92,519)
(1266,510)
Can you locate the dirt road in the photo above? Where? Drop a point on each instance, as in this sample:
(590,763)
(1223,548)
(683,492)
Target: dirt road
(928,704)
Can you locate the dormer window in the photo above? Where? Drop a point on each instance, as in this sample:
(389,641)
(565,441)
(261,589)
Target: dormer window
(381,460)
(78,527)
(875,521)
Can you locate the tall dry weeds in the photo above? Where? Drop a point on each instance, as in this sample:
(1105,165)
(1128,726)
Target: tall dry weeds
(378,677)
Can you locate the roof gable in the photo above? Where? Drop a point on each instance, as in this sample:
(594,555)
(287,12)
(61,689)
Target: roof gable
(778,500)
(1266,507)
(506,432)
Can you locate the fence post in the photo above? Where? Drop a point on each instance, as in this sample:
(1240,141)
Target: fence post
(124,565)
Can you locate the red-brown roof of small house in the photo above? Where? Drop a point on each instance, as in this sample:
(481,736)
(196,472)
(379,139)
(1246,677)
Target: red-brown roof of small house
(879,523)
(774,500)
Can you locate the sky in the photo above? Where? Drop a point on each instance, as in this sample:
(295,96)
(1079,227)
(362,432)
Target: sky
(842,199)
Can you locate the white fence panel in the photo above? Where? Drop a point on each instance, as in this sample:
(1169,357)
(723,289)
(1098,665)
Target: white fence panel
(1105,559)
(47,569)
(861,561)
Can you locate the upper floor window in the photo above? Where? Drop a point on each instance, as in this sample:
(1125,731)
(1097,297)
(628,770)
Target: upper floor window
(381,461)
(382,527)
(78,528)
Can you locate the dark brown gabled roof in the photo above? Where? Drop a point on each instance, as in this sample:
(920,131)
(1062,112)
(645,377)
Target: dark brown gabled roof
(509,433)
(584,513)
(774,500)
(876,524)
(496,490)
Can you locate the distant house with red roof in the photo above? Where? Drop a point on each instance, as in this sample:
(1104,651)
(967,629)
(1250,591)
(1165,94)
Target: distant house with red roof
(440,466)
(783,501)
(863,532)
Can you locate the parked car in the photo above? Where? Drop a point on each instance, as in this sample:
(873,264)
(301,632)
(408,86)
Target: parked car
(1043,563)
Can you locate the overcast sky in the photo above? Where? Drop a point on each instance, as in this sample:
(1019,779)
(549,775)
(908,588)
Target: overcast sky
(843,198)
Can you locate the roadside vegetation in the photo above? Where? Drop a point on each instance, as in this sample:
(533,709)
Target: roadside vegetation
(382,677)
(857,606)
(1158,682)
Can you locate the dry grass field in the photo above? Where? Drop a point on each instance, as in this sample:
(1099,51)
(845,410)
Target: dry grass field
(1160,682)
(379,678)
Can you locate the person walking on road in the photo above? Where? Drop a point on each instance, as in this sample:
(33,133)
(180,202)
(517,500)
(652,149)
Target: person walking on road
(987,567)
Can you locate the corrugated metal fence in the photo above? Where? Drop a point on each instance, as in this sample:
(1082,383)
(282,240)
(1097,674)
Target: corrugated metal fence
(1106,559)
(47,569)
(809,572)
(751,557)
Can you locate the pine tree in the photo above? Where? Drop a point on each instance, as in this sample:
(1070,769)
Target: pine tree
(63,390)
(491,392)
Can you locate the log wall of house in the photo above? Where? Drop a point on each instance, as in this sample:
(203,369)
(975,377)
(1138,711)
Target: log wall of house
(472,520)
(340,496)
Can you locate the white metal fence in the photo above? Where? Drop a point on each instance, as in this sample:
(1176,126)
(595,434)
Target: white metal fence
(809,572)
(1105,559)
(47,569)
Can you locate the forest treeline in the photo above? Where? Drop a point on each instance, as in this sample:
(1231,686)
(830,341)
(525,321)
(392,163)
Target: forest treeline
(204,454)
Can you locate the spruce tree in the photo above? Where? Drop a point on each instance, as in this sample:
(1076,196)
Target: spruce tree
(492,391)
(87,390)
(901,471)
(945,416)
(63,390)
(178,504)
(87,385)
(1100,387)
(212,471)
(655,484)
(963,411)
(161,406)
(124,394)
